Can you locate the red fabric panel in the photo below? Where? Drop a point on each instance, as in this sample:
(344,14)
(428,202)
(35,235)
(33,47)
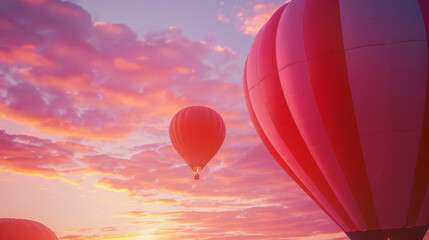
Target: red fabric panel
(281,118)
(421,179)
(328,73)
(299,95)
(21,229)
(262,119)
(273,151)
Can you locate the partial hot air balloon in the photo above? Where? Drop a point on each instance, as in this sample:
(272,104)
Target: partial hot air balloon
(23,229)
(197,133)
(338,92)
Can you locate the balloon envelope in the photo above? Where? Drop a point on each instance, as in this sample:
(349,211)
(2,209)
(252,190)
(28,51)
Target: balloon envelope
(22,229)
(338,92)
(197,133)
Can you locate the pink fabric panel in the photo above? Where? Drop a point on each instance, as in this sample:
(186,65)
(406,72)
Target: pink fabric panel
(267,64)
(275,154)
(263,117)
(252,71)
(290,42)
(388,77)
(311,130)
(301,101)
(277,108)
(326,62)
(256,99)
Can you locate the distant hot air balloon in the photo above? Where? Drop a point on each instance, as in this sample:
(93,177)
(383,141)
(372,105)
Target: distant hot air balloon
(22,229)
(197,133)
(338,92)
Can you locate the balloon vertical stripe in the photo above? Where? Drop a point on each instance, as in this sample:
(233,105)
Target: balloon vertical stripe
(350,124)
(298,93)
(326,62)
(280,116)
(278,158)
(421,178)
(381,62)
(255,93)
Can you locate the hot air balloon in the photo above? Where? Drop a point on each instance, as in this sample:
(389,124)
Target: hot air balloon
(338,92)
(197,133)
(22,229)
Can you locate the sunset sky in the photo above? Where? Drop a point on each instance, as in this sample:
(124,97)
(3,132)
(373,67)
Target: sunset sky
(87,92)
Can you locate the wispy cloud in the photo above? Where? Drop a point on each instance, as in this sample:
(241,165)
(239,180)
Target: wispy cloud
(73,78)
(253,21)
(104,237)
(248,18)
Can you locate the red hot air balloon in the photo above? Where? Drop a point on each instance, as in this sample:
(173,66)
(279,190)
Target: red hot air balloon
(197,133)
(338,92)
(22,229)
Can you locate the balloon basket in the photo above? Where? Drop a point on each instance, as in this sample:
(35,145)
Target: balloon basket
(197,176)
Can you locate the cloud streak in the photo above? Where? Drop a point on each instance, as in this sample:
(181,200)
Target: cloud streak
(248,18)
(98,80)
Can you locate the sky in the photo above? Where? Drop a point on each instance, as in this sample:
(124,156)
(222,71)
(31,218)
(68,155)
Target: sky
(87,91)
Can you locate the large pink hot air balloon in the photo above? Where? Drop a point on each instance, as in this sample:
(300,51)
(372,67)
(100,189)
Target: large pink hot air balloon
(338,92)
(22,229)
(197,133)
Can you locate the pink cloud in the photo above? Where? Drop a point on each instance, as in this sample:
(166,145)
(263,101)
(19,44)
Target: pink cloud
(222,18)
(248,18)
(104,229)
(23,55)
(110,82)
(102,237)
(34,156)
(253,21)
(259,194)
(253,223)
